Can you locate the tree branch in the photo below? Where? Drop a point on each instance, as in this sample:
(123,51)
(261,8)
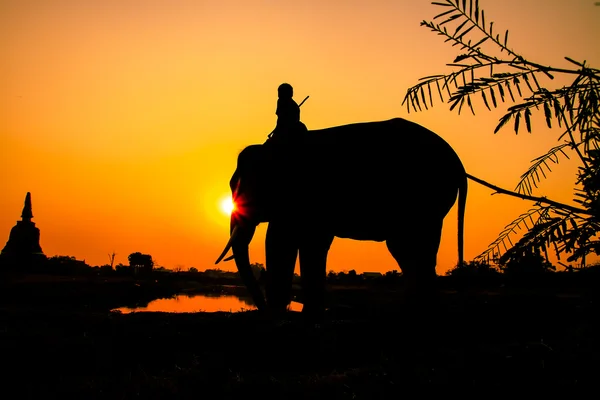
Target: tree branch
(532,198)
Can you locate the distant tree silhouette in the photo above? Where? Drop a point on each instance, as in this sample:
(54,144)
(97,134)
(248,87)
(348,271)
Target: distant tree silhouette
(141,263)
(122,269)
(111,257)
(392,276)
(67,265)
(258,269)
(106,269)
(526,263)
(476,268)
(178,268)
(193,270)
(353,276)
(576,108)
(475,273)
(332,276)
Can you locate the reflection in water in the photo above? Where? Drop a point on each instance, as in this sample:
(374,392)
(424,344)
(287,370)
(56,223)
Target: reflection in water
(200,302)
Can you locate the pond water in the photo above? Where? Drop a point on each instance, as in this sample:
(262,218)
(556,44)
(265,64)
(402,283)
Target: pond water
(201,302)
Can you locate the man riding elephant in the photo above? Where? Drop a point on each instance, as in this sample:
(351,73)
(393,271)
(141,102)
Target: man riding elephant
(289,128)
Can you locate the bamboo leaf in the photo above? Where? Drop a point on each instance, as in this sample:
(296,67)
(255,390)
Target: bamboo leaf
(564,227)
(528,120)
(416,97)
(485,100)
(437,83)
(483,20)
(431,77)
(447,85)
(465,32)
(573,61)
(412,102)
(480,42)
(444,13)
(558,111)
(462,101)
(501,90)
(516,82)
(430,96)
(535,81)
(573,223)
(456,101)
(507,83)
(548,114)
(423,98)
(527,82)
(450,19)
(460,27)
(569,107)
(461,57)
(503,122)
(470,104)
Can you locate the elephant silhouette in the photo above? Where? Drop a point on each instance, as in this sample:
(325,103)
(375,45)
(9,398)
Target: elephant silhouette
(392,181)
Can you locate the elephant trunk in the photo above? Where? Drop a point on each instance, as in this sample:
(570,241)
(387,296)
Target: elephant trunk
(241,236)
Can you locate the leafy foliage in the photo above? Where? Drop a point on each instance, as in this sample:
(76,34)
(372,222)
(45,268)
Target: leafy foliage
(530,263)
(141,262)
(487,67)
(473,269)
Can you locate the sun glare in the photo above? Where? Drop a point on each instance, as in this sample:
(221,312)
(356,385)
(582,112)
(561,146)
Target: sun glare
(227,205)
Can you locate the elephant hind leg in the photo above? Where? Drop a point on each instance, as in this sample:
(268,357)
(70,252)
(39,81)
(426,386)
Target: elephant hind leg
(416,254)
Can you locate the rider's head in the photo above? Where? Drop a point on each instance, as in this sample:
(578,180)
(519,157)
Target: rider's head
(285,90)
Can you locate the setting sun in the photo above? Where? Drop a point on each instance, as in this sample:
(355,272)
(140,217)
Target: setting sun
(227,206)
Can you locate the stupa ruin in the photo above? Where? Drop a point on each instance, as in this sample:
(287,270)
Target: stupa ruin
(23,247)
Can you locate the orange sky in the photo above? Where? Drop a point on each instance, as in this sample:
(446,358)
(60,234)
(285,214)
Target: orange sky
(124,118)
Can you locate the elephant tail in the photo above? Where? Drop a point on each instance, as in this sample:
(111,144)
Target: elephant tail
(462,200)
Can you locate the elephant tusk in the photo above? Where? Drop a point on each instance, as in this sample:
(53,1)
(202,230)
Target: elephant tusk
(231,257)
(234,233)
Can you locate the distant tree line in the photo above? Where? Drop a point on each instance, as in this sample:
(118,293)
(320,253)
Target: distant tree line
(530,268)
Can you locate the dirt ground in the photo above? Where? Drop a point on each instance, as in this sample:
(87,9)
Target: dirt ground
(369,346)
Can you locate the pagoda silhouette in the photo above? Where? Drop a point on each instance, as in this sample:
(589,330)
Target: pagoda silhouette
(23,248)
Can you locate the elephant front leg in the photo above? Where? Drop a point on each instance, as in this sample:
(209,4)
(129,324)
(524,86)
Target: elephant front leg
(313,272)
(281,253)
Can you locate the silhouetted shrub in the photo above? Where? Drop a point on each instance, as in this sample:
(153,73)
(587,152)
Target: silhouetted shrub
(67,265)
(525,266)
(474,269)
(142,264)
(474,273)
